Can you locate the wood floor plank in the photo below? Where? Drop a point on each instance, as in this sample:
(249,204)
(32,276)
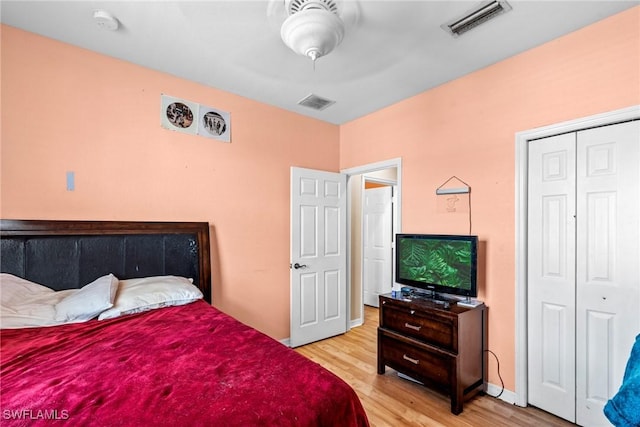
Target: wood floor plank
(393,401)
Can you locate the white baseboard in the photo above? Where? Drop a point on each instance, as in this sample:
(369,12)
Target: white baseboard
(507,395)
(355,323)
(286,341)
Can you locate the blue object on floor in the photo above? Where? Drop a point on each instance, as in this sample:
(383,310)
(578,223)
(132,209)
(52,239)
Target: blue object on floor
(623,409)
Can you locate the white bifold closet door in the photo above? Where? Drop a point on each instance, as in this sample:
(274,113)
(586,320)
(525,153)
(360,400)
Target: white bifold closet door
(583,268)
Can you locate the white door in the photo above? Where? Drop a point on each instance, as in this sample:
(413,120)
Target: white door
(608,263)
(318,255)
(584,187)
(377,238)
(551,275)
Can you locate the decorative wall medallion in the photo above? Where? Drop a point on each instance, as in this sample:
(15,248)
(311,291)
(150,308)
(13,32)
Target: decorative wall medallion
(178,115)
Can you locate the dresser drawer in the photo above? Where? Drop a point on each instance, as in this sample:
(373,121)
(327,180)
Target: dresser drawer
(434,329)
(418,362)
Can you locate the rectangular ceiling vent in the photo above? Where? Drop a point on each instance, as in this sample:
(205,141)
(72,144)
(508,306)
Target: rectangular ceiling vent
(479,15)
(316,102)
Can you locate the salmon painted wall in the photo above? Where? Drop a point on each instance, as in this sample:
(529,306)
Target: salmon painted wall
(467,128)
(68,109)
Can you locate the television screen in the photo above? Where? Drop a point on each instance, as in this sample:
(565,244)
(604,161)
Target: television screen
(440,263)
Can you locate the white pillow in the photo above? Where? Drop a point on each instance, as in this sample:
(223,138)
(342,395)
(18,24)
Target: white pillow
(148,293)
(89,301)
(14,289)
(25,304)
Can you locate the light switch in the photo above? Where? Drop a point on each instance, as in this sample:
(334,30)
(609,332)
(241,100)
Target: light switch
(71,181)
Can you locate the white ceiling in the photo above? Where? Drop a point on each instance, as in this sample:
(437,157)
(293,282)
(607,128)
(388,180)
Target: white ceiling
(391,49)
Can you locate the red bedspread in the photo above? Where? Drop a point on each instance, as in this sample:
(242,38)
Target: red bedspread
(182,366)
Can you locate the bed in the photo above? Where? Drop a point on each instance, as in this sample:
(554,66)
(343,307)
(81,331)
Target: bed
(174,364)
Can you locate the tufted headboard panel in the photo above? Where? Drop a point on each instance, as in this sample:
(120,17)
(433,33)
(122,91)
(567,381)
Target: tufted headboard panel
(70,254)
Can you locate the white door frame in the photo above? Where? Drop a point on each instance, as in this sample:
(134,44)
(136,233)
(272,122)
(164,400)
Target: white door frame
(359,170)
(521,185)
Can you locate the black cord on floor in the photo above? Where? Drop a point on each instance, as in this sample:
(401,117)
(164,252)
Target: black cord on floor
(499,376)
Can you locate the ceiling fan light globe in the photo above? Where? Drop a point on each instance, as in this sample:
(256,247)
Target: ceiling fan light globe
(312,32)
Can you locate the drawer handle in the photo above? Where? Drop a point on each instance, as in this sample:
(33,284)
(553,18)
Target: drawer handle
(414,361)
(414,327)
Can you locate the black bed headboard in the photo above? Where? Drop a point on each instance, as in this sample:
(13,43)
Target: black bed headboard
(70,254)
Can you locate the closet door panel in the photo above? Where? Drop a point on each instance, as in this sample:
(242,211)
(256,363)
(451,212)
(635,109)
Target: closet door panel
(607,263)
(551,275)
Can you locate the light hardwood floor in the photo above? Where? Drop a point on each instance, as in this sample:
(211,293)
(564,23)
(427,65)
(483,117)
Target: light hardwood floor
(393,401)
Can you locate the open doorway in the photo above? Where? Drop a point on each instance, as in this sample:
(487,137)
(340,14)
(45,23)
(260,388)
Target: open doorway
(362,259)
(378,231)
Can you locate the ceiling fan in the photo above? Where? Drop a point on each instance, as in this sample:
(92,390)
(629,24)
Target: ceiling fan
(312,28)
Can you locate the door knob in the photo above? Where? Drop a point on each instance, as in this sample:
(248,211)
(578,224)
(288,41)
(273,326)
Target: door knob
(297,266)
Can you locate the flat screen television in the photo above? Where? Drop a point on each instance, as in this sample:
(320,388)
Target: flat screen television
(443,264)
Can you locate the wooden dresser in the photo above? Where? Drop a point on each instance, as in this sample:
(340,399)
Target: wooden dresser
(441,347)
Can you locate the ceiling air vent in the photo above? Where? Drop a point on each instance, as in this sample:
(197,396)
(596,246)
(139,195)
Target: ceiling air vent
(479,15)
(315,102)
